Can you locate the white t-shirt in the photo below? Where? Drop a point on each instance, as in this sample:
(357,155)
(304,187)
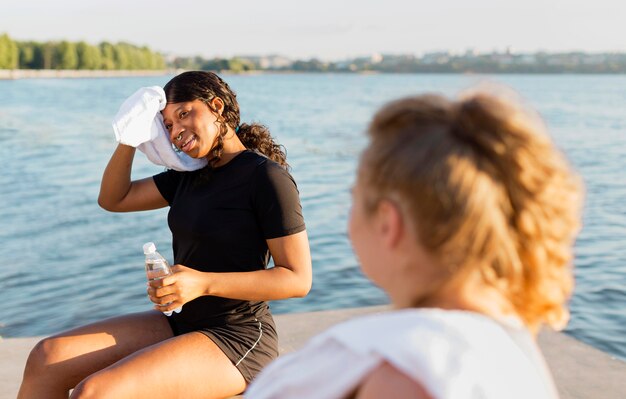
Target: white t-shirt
(452,354)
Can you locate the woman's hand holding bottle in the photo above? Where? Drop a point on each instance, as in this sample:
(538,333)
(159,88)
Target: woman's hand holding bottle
(181,286)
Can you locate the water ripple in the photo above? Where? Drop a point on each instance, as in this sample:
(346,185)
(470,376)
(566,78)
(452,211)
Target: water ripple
(67,262)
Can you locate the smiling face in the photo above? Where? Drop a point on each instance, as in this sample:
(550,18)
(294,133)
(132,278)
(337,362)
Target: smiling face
(193,127)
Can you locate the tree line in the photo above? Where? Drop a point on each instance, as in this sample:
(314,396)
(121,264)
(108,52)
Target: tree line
(493,63)
(125,56)
(235,64)
(76,55)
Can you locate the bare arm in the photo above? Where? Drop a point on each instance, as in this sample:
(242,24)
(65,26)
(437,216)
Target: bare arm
(290,277)
(119,194)
(387,381)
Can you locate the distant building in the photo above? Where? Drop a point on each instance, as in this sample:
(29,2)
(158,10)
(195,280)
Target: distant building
(376,58)
(274,62)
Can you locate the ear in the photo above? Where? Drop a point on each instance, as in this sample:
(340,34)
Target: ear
(390,224)
(218,105)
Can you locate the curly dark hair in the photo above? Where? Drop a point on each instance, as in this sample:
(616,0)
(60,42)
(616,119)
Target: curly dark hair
(205,86)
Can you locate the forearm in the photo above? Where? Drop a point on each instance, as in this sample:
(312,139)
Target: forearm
(262,285)
(291,277)
(116,177)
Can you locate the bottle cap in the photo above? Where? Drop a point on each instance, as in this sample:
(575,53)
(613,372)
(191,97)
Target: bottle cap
(149,248)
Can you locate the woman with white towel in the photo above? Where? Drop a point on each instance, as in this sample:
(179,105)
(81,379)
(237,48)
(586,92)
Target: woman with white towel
(227,219)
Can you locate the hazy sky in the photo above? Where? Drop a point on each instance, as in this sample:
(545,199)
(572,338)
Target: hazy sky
(328,29)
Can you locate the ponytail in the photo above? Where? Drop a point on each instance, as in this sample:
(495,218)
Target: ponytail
(257,137)
(542,203)
(486,190)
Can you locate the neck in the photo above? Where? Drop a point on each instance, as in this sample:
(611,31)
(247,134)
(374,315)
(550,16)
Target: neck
(470,292)
(232,147)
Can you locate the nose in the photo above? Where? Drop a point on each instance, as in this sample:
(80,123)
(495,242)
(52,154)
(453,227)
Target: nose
(176,132)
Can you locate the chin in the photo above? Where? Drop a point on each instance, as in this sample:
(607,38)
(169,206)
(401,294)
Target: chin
(197,154)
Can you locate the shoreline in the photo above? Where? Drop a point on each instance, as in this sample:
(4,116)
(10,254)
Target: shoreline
(579,370)
(14,74)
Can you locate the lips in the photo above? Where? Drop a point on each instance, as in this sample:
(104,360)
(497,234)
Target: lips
(187,145)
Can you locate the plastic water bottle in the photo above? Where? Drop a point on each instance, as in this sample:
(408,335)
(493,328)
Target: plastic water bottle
(157,268)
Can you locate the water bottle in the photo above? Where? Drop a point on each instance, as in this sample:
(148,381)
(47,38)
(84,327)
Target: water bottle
(157,267)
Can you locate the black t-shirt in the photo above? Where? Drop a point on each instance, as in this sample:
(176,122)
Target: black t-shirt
(221,224)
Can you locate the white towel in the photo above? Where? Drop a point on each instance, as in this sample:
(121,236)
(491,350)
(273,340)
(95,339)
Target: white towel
(139,123)
(451,353)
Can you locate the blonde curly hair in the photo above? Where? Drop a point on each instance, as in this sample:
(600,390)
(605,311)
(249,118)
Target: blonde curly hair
(487,189)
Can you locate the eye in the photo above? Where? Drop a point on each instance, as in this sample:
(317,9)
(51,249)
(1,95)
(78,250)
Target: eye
(168,126)
(183,114)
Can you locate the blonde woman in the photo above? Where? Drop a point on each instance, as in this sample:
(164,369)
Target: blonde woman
(465,214)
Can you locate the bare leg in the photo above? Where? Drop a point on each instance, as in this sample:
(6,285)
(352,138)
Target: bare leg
(58,363)
(188,366)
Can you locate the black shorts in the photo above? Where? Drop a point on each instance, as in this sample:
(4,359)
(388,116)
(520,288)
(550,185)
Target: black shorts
(250,343)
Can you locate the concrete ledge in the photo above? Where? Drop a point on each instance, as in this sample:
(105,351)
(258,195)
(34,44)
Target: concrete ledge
(580,371)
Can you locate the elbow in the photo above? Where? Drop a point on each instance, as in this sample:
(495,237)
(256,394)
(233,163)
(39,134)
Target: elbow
(102,204)
(303,288)
(302,293)
(105,204)
(305,281)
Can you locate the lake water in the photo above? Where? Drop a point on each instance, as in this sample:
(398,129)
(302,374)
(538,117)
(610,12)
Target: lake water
(67,262)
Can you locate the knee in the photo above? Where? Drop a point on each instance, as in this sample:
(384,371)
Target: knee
(42,372)
(89,388)
(45,354)
(98,386)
